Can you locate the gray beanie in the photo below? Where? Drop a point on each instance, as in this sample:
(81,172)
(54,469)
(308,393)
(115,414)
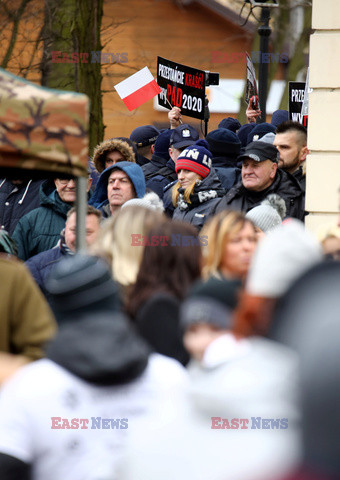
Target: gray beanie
(268,138)
(81,284)
(150,201)
(269,214)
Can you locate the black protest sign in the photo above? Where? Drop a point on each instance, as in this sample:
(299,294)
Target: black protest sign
(182,87)
(296,97)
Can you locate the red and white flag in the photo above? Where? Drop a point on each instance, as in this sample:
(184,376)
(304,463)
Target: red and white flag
(138,89)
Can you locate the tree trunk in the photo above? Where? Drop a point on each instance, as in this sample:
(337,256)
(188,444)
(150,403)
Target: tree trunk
(72,54)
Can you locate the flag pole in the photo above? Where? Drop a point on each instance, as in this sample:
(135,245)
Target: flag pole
(171,107)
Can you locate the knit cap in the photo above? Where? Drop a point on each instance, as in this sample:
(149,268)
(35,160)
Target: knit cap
(80,284)
(210,302)
(279,116)
(259,131)
(162,144)
(151,201)
(195,159)
(244,132)
(223,142)
(268,138)
(230,123)
(269,214)
(144,136)
(281,257)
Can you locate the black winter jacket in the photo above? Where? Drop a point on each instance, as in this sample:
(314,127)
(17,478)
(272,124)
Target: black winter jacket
(205,198)
(285,185)
(16,201)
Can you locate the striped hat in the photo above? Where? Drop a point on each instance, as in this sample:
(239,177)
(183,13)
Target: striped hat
(195,159)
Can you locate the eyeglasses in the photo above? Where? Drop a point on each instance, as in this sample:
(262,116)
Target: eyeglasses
(65,181)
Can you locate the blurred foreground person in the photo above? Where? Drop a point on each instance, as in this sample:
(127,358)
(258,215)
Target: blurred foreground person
(268,215)
(230,245)
(67,416)
(281,257)
(27,322)
(329,237)
(121,244)
(307,319)
(239,417)
(170,264)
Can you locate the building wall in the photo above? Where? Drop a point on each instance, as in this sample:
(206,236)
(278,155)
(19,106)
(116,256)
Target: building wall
(323,162)
(148,28)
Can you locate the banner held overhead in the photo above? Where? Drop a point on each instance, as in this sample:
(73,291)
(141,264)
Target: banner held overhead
(182,87)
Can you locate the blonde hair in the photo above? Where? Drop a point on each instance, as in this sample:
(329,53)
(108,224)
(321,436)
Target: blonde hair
(187,192)
(218,231)
(117,245)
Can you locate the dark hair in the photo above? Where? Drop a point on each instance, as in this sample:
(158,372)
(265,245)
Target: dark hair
(291,126)
(171,266)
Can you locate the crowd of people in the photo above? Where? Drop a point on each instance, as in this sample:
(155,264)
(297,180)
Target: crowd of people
(197,336)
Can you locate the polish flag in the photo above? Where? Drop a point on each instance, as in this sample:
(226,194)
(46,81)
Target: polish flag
(138,89)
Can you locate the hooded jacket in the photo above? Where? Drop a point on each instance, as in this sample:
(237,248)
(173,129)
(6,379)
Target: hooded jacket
(103,148)
(98,372)
(40,229)
(16,201)
(205,198)
(284,185)
(133,171)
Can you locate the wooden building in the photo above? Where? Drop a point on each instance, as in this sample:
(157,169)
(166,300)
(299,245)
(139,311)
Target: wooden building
(185,32)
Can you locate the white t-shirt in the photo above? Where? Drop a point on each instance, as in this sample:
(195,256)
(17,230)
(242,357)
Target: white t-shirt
(43,394)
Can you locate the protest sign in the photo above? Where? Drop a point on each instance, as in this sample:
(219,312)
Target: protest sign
(296,97)
(182,87)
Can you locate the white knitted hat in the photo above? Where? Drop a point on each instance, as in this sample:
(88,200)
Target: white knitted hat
(280,258)
(269,214)
(151,201)
(268,137)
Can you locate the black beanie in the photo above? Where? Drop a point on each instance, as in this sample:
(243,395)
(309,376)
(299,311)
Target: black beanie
(223,142)
(210,302)
(80,284)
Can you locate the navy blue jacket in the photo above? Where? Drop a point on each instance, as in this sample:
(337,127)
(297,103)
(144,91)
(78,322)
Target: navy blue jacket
(227,171)
(16,201)
(167,174)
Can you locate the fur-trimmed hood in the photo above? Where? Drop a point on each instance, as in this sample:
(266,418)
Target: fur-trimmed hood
(108,146)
